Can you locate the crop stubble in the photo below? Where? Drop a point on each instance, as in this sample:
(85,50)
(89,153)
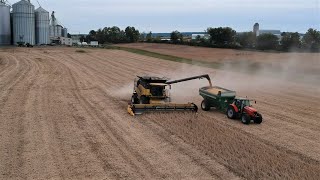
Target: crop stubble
(62,115)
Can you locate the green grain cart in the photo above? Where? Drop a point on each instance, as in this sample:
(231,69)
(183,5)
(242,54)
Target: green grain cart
(217,97)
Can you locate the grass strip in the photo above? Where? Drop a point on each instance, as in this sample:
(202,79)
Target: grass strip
(214,65)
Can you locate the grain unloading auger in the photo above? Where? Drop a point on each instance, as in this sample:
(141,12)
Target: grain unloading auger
(151,94)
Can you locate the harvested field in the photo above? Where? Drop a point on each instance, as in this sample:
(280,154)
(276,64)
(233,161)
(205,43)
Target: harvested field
(63,116)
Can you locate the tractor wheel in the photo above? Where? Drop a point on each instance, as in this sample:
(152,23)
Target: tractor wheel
(134,99)
(231,113)
(258,119)
(144,100)
(205,106)
(245,119)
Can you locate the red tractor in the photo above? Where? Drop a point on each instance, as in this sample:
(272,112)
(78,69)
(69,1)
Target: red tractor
(242,109)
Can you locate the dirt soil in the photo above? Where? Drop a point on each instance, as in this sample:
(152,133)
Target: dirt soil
(63,116)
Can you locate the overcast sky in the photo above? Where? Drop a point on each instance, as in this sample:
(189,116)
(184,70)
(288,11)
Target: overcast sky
(80,16)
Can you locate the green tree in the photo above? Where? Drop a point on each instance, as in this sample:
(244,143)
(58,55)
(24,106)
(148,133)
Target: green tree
(132,34)
(176,37)
(267,42)
(246,39)
(149,37)
(311,40)
(222,35)
(100,36)
(91,36)
(142,37)
(290,40)
(198,38)
(82,38)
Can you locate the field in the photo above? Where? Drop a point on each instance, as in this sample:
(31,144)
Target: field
(63,116)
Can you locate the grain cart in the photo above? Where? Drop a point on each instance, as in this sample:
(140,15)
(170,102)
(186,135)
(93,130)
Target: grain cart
(226,101)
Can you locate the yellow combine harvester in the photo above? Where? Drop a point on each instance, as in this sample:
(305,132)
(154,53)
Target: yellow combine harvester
(152,94)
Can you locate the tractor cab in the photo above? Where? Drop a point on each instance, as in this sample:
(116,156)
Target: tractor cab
(242,102)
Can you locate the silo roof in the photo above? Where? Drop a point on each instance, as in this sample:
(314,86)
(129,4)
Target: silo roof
(40,9)
(23,2)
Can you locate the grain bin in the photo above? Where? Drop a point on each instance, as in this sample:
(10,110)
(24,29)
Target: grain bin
(58,31)
(51,30)
(42,26)
(5,27)
(65,32)
(23,22)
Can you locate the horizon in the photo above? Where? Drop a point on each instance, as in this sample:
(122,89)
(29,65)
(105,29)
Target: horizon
(167,16)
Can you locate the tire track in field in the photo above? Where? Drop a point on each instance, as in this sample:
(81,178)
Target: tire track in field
(116,140)
(13,123)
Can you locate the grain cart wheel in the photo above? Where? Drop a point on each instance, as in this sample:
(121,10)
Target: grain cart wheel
(245,119)
(231,113)
(205,106)
(258,119)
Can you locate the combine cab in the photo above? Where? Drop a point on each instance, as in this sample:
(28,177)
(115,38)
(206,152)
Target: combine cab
(152,94)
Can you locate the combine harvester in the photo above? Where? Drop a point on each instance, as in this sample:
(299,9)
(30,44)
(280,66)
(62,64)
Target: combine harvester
(151,94)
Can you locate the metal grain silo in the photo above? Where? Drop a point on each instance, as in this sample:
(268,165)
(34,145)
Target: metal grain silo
(23,22)
(58,31)
(42,26)
(5,26)
(65,32)
(51,30)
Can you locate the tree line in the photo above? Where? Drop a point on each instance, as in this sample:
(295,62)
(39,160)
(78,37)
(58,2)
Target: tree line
(221,37)
(112,35)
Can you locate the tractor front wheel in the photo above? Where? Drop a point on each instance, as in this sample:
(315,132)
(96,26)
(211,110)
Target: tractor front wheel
(205,106)
(245,119)
(258,119)
(231,113)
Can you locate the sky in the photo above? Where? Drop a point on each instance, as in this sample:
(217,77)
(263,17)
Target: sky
(81,16)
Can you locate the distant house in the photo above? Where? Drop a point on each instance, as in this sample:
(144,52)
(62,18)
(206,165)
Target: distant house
(65,41)
(274,32)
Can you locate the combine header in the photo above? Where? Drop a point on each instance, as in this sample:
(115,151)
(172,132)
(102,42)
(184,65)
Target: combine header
(152,94)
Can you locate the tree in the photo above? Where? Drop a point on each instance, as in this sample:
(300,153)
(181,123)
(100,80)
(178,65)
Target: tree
(82,38)
(132,34)
(247,39)
(198,38)
(92,36)
(142,37)
(69,35)
(100,36)
(311,40)
(267,42)
(149,37)
(176,37)
(290,40)
(222,35)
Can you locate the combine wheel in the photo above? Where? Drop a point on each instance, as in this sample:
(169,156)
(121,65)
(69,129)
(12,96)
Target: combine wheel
(144,100)
(258,119)
(134,99)
(205,106)
(245,119)
(231,113)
